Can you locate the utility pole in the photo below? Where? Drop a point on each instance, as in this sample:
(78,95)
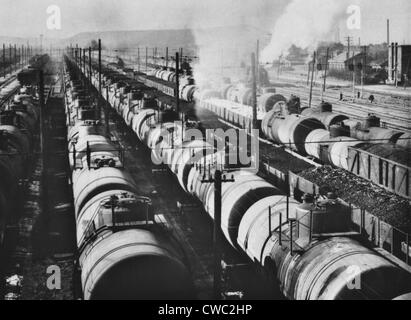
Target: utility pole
(89,64)
(254,90)
(81,60)
(396,63)
(10,60)
(279,66)
(353,77)
(167,57)
(76,53)
(217,234)
(146,59)
(312,80)
(84,62)
(138,59)
(41,43)
(388,32)
(325,73)
(258,65)
(363,69)
(177,93)
(348,46)
(4,61)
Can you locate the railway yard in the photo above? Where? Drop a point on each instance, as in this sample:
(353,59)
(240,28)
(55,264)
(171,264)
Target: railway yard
(130,172)
(102,194)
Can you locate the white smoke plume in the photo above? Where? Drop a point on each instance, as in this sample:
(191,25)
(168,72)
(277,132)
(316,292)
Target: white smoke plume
(225,48)
(304,23)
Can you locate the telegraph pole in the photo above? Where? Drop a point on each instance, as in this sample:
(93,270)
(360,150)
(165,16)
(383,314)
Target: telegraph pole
(84,62)
(146,59)
(138,58)
(10,60)
(177,93)
(217,180)
(353,78)
(325,73)
(254,90)
(312,80)
(217,235)
(258,63)
(388,32)
(4,61)
(348,46)
(89,64)
(363,69)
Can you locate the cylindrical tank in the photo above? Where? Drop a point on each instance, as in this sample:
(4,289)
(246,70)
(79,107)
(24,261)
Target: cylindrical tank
(134,264)
(254,229)
(376,135)
(267,101)
(406,296)
(326,117)
(338,151)
(236,198)
(188,154)
(8,179)
(404,140)
(293,130)
(207,94)
(96,143)
(338,268)
(87,183)
(314,141)
(339,130)
(232,94)
(140,118)
(244,96)
(19,140)
(225,89)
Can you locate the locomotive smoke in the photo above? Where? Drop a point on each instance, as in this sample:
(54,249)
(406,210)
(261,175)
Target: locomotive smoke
(227,45)
(304,23)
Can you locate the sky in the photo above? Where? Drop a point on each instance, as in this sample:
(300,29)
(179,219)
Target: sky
(24,18)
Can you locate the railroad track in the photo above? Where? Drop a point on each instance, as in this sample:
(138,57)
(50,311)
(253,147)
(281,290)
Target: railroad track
(389,99)
(5,96)
(270,151)
(232,238)
(399,121)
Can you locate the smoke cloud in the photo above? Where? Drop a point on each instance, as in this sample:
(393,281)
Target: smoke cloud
(304,23)
(224,50)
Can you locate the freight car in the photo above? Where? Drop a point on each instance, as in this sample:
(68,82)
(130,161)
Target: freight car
(19,115)
(18,124)
(123,252)
(309,248)
(285,122)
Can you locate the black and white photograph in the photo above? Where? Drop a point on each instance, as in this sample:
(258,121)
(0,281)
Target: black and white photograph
(206,156)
